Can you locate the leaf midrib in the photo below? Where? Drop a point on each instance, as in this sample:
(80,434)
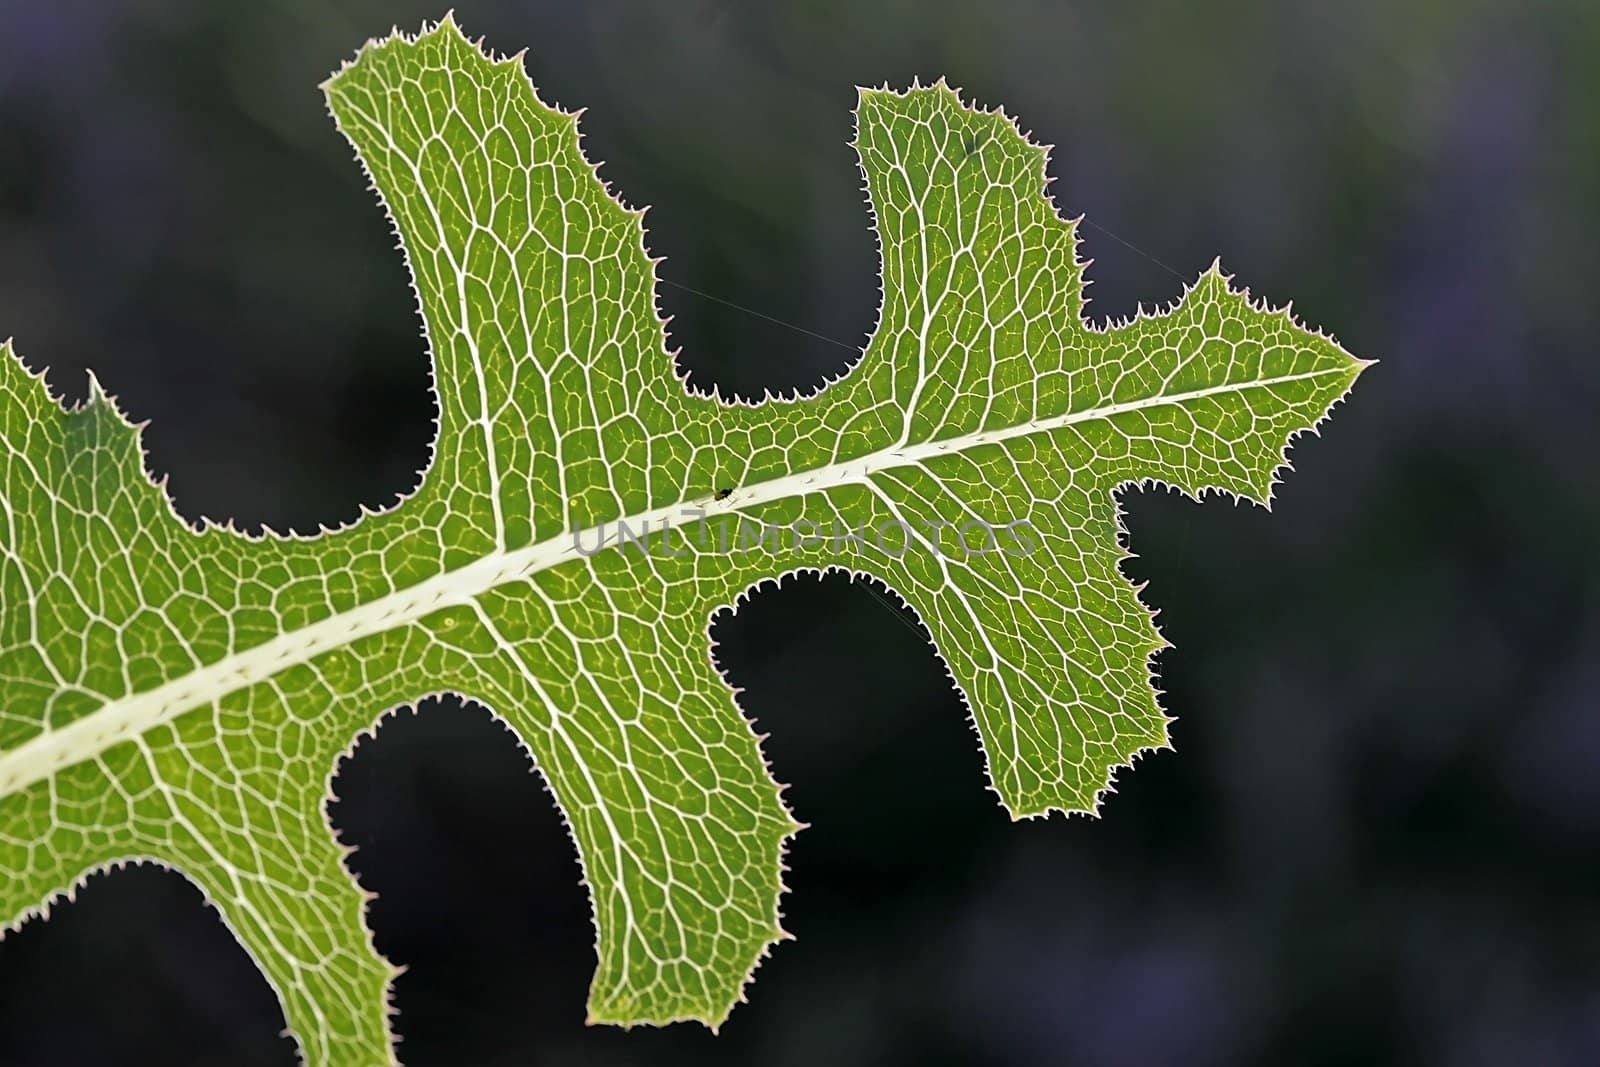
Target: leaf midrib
(44,754)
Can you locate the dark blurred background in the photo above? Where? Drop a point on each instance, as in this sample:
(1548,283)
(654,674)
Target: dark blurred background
(1379,838)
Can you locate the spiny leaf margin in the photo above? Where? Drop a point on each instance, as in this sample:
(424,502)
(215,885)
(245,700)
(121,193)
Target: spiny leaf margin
(786,823)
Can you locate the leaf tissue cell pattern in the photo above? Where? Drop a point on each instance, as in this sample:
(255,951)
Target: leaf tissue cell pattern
(183,696)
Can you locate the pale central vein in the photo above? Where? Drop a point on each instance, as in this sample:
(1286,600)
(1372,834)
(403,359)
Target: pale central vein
(39,757)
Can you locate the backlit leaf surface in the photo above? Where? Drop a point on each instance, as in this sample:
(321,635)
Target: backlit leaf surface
(184,696)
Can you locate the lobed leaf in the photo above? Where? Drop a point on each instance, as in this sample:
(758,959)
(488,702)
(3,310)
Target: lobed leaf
(183,696)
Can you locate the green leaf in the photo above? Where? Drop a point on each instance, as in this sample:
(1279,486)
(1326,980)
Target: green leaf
(183,696)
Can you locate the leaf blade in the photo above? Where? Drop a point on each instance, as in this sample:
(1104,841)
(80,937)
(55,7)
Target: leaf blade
(212,681)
